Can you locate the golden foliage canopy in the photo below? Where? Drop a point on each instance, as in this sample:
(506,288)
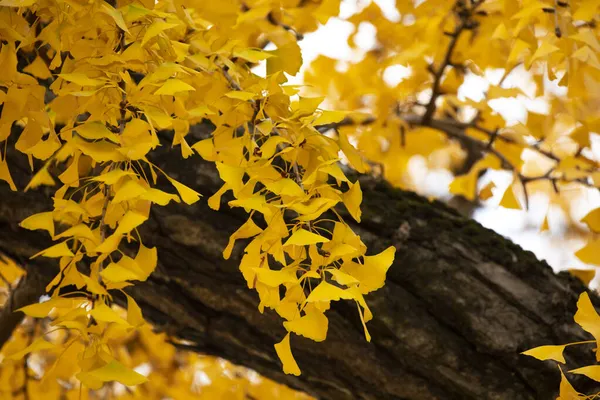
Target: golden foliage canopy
(89,88)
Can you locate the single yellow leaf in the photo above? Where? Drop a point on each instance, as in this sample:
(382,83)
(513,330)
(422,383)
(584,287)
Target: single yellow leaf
(103,313)
(549,352)
(125,270)
(567,391)
(247,230)
(79,231)
(313,325)
(58,250)
(591,371)
(134,313)
(159,197)
(146,259)
(130,221)
(584,275)
(590,253)
(130,190)
(173,86)
(38,68)
(38,344)
(327,292)
(188,195)
(545,226)
(287,58)
(81,79)
(252,55)
(354,157)
(113,371)
(592,220)
(113,176)
(96,130)
(587,317)
(6,177)
(352,199)
(509,200)
(39,221)
(115,15)
(155,29)
(284,352)
(302,237)
(487,192)
(240,95)
(41,310)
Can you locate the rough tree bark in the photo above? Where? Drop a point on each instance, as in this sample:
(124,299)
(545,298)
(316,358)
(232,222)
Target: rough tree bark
(459,304)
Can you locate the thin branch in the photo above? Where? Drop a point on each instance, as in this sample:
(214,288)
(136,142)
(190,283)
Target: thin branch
(465,15)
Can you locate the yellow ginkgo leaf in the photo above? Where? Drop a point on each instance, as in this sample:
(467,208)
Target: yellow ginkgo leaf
(302,237)
(206,149)
(121,272)
(284,352)
(130,190)
(313,325)
(113,176)
(509,200)
(41,310)
(130,221)
(354,157)
(159,197)
(56,251)
(545,225)
(113,371)
(566,390)
(102,312)
(247,230)
(173,86)
(287,58)
(17,3)
(134,313)
(587,317)
(591,371)
(275,278)
(590,253)
(592,220)
(327,292)
(188,195)
(96,130)
(146,259)
(240,95)
(352,199)
(6,177)
(155,29)
(372,273)
(547,353)
(116,16)
(79,231)
(38,68)
(39,221)
(285,187)
(81,79)
(37,345)
(252,55)
(584,275)
(487,192)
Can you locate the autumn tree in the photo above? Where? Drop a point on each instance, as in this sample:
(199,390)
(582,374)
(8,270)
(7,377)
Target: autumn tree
(171,201)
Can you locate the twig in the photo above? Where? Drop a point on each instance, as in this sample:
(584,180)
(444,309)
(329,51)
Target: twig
(464,14)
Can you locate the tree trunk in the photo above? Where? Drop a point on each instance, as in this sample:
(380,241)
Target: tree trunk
(459,303)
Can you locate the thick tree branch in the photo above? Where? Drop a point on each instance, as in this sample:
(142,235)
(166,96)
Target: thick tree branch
(459,304)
